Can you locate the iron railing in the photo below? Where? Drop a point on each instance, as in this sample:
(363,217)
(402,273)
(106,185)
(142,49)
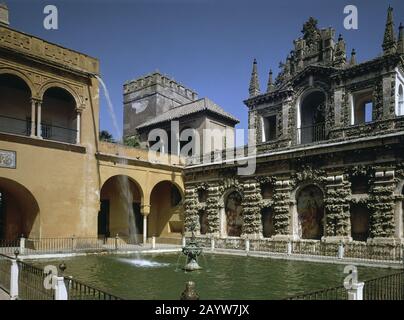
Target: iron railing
(5,273)
(390,287)
(336,293)
(77,290)
(48,132)
(32,280)
(310,134)
(31,283)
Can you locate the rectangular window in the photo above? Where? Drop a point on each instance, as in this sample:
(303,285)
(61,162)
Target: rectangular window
(270,128)
(363,107)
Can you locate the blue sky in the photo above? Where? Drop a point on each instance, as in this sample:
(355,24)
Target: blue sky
(208,45)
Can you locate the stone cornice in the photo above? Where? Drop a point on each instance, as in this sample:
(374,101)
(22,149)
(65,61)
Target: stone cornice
(45,52)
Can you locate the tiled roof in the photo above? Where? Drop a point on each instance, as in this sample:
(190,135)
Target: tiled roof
(187,109)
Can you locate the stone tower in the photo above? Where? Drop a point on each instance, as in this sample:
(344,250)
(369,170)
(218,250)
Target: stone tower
(150,96)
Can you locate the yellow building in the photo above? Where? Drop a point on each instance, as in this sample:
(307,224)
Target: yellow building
(56,178)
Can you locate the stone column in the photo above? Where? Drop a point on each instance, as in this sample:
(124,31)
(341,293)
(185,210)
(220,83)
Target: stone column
(39,120)
(33,117)
(382,204)
(145,213)
(283,221)
(336,206)
(252,225)
(78,127)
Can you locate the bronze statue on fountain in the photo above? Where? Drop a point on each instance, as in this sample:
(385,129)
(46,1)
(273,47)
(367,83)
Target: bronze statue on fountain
(192,251)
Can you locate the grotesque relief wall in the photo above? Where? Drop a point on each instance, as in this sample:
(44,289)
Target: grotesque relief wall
(310,208)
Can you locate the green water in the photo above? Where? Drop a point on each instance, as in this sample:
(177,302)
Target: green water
(223,277)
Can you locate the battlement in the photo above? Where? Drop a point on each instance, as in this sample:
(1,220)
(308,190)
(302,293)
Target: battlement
(157,78)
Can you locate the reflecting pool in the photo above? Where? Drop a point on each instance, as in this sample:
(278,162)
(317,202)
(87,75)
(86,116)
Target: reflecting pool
(223,276)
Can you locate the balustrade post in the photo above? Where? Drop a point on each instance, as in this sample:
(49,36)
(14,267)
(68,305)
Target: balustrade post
(153,242)
(356,291)
(14,280)
(247,245)
(341,251)
(212,244)
(289,249)
(22,245)
(60,288)
(116,242)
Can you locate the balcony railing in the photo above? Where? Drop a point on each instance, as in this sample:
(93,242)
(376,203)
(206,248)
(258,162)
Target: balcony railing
(49,132)
(310,134)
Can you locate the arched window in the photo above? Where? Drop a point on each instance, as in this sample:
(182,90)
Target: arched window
(400,109)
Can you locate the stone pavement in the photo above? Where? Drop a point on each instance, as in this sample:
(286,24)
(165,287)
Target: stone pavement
(3,295)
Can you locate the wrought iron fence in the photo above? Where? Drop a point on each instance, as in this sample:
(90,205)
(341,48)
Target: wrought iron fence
(77,290)
(5,271)
(336,293)
(390,287)
(31,283)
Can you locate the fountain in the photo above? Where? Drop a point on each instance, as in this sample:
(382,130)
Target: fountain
(192,251)
(122,180)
